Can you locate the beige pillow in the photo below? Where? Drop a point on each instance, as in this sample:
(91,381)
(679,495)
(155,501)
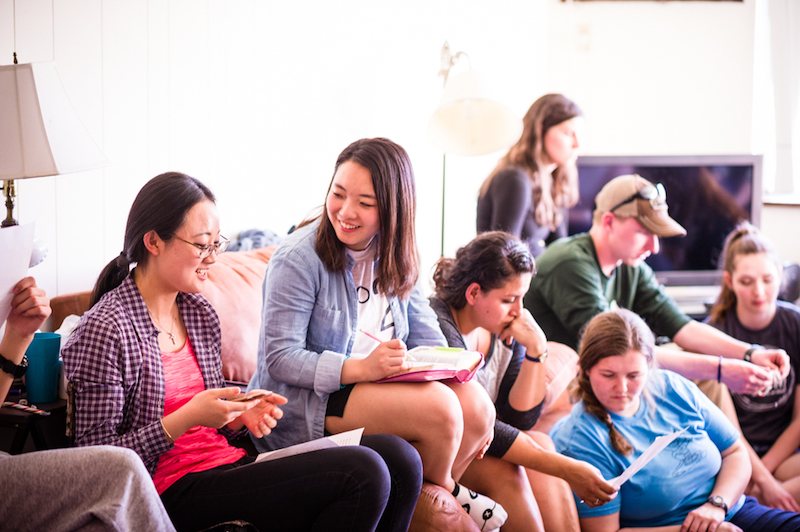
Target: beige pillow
(235,291)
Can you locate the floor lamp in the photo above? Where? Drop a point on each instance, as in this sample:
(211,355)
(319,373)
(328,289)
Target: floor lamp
(468,120)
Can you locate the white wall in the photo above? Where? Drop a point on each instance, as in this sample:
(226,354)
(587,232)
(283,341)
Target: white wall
(664,78)
(257,98)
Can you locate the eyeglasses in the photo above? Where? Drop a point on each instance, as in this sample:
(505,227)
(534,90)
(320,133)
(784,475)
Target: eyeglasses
(655,194)
(206,249)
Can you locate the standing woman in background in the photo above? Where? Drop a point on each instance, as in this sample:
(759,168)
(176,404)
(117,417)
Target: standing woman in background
(534,184)
(748,309)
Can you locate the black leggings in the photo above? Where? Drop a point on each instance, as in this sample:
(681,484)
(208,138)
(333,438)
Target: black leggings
(374,486)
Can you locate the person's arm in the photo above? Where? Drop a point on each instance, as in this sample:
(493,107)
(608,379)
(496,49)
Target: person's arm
(773,494)
(789,440)
(700,337)
(95,359)
(530,384)
(732,479)
(423,324)
(738,375)
(30,307)
(511,201)
(527,385)
(292,318)
(585,480)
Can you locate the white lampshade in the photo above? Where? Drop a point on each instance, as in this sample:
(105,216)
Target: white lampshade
(469,121)
(40,133)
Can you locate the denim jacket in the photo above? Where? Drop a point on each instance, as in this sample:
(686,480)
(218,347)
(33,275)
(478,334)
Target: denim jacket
(309,321)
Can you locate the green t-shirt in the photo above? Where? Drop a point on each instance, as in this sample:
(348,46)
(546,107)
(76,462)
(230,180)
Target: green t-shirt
(570,288)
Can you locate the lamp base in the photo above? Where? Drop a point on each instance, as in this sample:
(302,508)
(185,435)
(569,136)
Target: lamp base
(10,192)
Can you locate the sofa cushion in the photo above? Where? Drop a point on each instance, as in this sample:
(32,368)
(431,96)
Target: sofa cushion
(235,291)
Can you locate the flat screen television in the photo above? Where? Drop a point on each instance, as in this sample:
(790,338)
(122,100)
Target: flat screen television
(708,195)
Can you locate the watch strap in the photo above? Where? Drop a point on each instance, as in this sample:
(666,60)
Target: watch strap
(540,358)
(719,502)
(748,355)
(15,370)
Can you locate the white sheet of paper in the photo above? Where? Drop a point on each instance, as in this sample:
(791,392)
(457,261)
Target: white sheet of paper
(351,437)
(16,243)
(656,447)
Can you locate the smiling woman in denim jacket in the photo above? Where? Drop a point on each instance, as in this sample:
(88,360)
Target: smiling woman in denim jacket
(341,280)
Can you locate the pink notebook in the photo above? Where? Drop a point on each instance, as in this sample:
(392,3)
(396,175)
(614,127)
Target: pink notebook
(438,364)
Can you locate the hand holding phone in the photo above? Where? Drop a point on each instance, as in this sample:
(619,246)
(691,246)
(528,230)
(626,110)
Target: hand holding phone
(252,397)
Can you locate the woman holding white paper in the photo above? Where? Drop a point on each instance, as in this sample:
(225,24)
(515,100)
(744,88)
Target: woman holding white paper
(697,482)
(145,364)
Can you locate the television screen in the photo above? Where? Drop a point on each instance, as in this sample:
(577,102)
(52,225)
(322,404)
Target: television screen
(708,195)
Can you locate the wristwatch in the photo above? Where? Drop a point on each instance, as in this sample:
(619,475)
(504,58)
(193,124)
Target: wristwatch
(12,369)
(748,355)
(541,358)
(719,502)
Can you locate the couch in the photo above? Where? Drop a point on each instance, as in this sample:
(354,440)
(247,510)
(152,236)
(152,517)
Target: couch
(235,291)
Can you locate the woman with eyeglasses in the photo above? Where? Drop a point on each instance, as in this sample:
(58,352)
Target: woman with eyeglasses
(147,375)
(532,186)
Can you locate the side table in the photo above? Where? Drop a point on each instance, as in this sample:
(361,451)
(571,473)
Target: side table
(48,432)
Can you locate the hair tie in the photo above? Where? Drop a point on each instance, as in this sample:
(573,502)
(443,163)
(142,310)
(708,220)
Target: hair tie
(122,260)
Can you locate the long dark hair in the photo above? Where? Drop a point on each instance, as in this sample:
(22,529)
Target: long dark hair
(611,333)
(562,189)
(393,181)
(161,206)
(490,260)
(745,239)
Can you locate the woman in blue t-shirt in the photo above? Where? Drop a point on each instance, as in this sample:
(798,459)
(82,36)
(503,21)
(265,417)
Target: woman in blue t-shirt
(748,309)
(697,482)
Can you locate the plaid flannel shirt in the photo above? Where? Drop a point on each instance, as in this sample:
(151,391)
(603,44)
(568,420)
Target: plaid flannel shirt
(114,361)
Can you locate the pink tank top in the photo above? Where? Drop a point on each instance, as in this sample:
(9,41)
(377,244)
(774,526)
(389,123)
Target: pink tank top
(200,448)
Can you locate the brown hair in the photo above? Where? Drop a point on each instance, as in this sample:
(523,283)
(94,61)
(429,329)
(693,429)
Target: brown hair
(490,260)
(549,192)
(745,239)
(393,181)
(609,334)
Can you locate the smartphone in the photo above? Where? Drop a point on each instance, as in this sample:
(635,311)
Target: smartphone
(251,397)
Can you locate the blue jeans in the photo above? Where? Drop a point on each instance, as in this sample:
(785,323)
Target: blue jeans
(753,517)
(374,486)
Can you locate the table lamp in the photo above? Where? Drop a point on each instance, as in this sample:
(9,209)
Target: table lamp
(40,132)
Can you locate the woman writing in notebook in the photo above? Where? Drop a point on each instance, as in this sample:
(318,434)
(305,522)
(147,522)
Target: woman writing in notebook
(355,267)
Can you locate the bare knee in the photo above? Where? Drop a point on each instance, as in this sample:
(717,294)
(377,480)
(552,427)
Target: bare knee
(542,439)
(443,412)
(479,411)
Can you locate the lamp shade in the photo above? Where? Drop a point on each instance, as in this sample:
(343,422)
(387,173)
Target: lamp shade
(469,121)
(40,132)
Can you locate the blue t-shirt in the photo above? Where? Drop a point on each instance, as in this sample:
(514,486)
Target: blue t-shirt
(677,480)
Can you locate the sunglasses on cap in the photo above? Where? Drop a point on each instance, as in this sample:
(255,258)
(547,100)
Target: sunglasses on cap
(655,194)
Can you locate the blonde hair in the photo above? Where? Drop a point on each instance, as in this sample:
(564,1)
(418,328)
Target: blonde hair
(611,333)
(550,192)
